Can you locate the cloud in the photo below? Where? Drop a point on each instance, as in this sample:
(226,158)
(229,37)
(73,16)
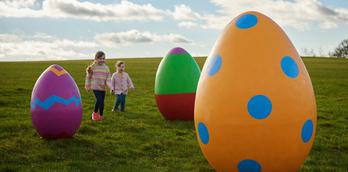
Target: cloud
(122,11)
(41,46)
(18,3)
(9,38)
(183,12)
(135,36)
(188,24)
(298,14)
(19,8)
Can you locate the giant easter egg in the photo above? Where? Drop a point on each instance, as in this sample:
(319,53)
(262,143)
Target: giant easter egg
(255,108)
(175,85)
(56,104)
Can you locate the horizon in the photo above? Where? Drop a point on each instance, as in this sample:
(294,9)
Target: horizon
(118,58)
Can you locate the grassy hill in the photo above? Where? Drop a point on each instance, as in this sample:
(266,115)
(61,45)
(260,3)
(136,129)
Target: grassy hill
(140,139)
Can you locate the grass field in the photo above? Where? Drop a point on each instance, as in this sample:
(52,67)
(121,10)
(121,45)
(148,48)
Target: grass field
(140,139)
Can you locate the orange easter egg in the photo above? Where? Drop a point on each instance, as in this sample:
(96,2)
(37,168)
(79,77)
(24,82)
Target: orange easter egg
(255,107)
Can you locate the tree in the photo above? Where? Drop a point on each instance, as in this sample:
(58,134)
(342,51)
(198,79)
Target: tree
(342,50)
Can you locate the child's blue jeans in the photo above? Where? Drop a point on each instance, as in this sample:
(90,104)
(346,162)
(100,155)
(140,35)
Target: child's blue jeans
(120,100)
(99,103)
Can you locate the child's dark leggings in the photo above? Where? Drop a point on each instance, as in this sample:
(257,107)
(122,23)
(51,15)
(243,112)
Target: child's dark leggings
(99,103)
(121,99)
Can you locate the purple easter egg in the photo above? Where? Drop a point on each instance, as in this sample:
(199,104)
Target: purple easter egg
(56,108)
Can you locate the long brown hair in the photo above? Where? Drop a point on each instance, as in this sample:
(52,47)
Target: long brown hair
(98,55)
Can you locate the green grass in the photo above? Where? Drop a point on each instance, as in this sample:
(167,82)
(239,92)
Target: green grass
(140,139)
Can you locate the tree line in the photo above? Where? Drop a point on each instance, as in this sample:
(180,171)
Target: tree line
(342,50)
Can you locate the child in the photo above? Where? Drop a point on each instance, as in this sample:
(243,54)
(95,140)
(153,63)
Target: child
(97,78)
(120,83)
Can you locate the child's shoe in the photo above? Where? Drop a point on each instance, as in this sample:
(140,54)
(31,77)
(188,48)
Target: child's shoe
(95,116)
(101,118)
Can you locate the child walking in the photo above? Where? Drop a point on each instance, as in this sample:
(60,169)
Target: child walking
(120,83)
(97,79)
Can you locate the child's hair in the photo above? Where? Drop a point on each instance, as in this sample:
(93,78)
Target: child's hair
(119,63)
(98,55)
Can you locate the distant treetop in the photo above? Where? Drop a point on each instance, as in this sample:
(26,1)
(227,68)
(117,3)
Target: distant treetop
(342,50)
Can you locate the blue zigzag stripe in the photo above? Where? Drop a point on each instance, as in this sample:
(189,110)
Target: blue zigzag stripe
(53,99)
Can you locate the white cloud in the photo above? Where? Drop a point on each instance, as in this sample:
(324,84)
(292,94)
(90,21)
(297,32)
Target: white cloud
(18,3)
(9,38)
(41,46)
(135,36)
(188,24)
(19,8)
(298,14)
(183,12)
(125,10)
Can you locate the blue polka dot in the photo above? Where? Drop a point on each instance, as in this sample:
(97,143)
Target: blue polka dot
(215,65)
(249,166)
(259,107)
(289,67)
(246,21)
(307,131)
(203,133)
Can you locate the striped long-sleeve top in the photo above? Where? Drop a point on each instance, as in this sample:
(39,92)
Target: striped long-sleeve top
(99,78)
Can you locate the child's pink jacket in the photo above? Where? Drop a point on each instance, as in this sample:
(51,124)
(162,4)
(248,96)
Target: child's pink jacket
(121,84)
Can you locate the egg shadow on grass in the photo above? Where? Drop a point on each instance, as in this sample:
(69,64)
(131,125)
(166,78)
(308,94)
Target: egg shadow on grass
(77,153)
(155,118)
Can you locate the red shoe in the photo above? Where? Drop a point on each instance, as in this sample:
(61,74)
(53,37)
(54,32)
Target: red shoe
(95,116)
(101,118)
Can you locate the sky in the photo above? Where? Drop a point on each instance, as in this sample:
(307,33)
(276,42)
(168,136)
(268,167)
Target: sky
(76,29)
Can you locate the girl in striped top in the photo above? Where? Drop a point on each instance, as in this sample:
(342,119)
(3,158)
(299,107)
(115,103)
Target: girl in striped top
(98,77)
